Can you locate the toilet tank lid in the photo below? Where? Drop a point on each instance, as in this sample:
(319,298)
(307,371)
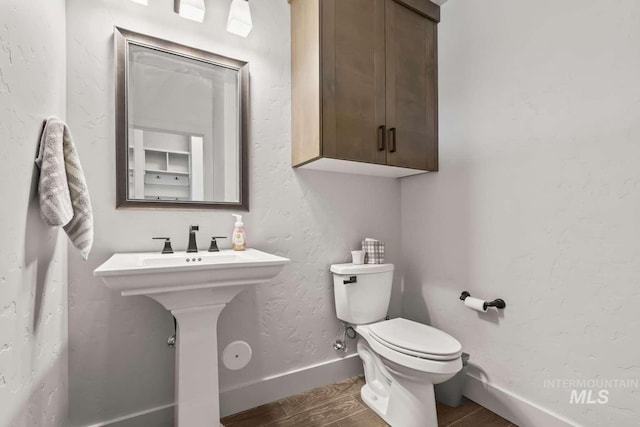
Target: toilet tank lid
(354,269)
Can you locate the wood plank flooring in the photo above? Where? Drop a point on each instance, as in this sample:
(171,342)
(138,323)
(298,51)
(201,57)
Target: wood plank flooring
(339,405)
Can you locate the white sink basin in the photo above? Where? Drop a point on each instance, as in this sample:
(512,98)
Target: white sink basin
(186,260)
(148,273)
(151,262)
(195,287)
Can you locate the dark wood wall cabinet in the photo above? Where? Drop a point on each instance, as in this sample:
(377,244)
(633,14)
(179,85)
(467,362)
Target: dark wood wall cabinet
(365,86)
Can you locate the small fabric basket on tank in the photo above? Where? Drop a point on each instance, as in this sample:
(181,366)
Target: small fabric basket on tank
(374,251)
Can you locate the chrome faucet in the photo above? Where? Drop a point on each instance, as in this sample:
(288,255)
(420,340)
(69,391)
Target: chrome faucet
(193,247)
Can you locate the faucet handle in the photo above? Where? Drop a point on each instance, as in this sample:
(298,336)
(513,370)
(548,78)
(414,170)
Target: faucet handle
(167,244)
(214,244)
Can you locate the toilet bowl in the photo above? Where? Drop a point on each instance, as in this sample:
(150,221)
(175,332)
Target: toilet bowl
(399,381)
(402,359)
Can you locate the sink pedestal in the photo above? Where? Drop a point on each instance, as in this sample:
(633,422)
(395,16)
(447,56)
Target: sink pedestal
(197,387)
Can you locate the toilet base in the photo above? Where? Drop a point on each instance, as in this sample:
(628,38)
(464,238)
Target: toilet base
(401,409)
(380,405)
(401,396)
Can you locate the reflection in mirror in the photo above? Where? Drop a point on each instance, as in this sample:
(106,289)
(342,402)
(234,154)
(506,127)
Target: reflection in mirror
(184,126)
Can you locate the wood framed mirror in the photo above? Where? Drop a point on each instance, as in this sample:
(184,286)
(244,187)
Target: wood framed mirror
(181,126)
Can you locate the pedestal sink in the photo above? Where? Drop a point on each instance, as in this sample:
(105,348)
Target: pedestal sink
(195,287)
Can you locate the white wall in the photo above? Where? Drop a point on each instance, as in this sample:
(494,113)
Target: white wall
(33,257)
(119,361)
(537,200)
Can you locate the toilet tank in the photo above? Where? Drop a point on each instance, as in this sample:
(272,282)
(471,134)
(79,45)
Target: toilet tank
(362,292)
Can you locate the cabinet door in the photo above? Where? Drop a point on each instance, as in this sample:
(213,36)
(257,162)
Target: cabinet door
(353,80)
(412,88)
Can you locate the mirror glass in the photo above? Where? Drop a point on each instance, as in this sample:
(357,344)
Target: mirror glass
(184,125)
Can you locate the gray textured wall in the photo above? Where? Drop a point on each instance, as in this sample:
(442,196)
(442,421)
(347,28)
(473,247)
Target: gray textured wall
(33,257)
(537,200)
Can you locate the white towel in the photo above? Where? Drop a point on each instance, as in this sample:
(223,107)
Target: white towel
(63,194)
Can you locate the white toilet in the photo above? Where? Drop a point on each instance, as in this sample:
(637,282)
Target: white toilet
(402,359)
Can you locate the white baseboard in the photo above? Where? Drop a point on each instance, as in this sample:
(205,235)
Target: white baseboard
(269,389)
(508,405)
(159,416)
(514,408)
(254,393)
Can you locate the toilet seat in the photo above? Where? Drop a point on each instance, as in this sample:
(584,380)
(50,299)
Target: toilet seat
(413,353)
(421,364)
(415,339)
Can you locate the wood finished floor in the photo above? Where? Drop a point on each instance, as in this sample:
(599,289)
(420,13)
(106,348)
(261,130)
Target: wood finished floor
(339,405)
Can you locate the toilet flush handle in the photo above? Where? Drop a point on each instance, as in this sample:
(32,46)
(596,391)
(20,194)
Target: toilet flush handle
(352,279)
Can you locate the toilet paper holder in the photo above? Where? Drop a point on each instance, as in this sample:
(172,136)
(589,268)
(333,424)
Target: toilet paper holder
(497,303)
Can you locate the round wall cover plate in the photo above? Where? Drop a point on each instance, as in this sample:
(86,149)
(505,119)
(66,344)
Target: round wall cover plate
(236,355)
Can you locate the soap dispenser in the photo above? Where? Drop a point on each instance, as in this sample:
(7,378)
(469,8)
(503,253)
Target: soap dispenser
(239,241)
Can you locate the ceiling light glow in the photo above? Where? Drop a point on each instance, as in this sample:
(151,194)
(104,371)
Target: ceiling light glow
(190,9)
(239,21)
